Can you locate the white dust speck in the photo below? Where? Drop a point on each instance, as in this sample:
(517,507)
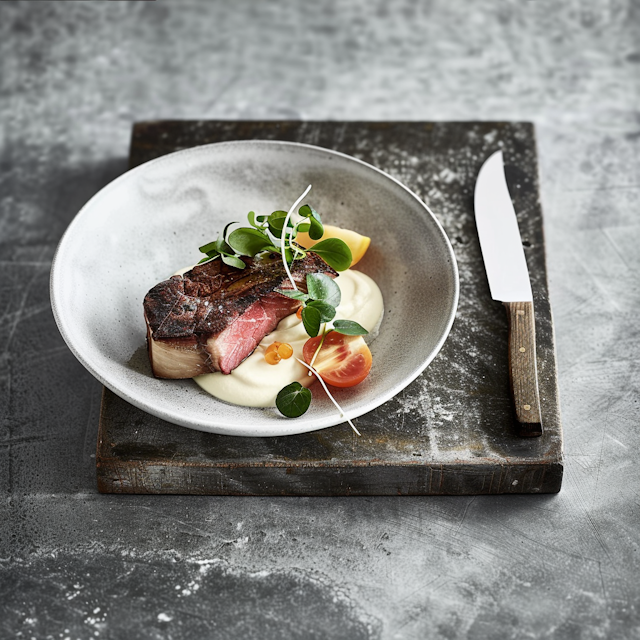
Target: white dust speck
(490,137)
(240,542)
(163,617)
(514,483)
(239,525)
(448,176)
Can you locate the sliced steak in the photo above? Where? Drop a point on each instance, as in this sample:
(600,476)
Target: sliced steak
(214,316)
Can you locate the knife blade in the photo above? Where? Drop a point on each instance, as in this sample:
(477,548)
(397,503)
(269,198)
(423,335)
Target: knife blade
(509,283)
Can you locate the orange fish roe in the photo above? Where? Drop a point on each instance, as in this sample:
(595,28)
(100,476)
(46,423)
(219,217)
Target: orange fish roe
(285,351)
(278,351)
(272,357)
(272,347)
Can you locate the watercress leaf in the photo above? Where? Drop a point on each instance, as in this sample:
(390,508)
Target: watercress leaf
(276,222)
(322,287)
(293,293)
(334,252)
(293,400)
(212,254)
(304,227)
(224,233)
(206,248)
(251,217)
(311,319)
(209,258)
(248,242)
(305,211)
(316,230)
(261,218)
(233,261)
(222,246)
(327,312)
(349,328)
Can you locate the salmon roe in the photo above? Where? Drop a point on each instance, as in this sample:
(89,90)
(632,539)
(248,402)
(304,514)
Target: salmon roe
(299,313)
(285,351)
(272,357)
(273,347)
(278,351)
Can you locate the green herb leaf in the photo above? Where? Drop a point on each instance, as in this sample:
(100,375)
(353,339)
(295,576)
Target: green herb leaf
(208,258)
(207,248)
(349,328)
(303,227)
(327,312)
(334,252)
(322,287)
(276,222)
(222,246)
(317,230)
(251,216)
(224,233)
(293,400)
(232,261)
(292,293)
(311,319)
(248,242)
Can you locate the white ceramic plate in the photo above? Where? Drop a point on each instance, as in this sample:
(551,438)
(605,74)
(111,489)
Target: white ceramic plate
(149,222)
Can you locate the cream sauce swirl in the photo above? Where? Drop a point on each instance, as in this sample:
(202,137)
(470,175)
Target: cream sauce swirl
(255,383)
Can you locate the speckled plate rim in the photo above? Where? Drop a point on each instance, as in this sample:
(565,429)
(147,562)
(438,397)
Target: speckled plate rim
(290,426)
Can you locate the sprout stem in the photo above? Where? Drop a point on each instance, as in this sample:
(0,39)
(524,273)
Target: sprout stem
(283,237)
(324,386)
(317,351)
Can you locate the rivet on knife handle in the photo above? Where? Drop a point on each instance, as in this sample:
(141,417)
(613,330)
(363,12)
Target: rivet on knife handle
(523,370)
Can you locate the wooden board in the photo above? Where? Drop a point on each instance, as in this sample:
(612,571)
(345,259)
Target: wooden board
(452,430)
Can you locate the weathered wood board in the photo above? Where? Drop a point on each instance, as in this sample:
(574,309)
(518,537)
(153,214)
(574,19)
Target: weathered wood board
(450,432)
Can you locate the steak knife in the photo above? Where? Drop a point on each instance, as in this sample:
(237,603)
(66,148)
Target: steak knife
(509,283)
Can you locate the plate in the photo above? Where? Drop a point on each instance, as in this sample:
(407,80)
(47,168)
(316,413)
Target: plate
(150,221)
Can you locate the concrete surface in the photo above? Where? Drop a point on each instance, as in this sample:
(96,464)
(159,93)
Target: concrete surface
(75,564)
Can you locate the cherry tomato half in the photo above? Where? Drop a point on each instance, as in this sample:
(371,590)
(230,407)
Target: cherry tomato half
(343,361)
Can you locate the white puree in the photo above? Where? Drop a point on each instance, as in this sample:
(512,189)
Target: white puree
(256,384)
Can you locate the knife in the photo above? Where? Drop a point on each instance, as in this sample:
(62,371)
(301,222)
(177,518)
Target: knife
(509,283)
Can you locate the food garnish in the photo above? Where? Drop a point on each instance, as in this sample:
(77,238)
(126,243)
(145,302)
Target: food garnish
(276,233)
(293,400)
(278,351)
(357,243)
(340,356)
(340,360)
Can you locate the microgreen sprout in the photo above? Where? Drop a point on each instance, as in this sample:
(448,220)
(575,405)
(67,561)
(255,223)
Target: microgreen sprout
(324,386)
(276,233)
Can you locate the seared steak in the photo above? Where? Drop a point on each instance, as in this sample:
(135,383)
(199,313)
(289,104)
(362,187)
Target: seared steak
(215,315)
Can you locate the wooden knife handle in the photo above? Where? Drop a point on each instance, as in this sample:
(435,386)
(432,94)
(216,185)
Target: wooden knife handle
(523,370)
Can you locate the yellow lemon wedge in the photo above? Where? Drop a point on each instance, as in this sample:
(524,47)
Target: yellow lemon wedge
(356,242)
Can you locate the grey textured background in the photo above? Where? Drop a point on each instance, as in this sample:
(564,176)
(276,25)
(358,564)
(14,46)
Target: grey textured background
(74,564)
